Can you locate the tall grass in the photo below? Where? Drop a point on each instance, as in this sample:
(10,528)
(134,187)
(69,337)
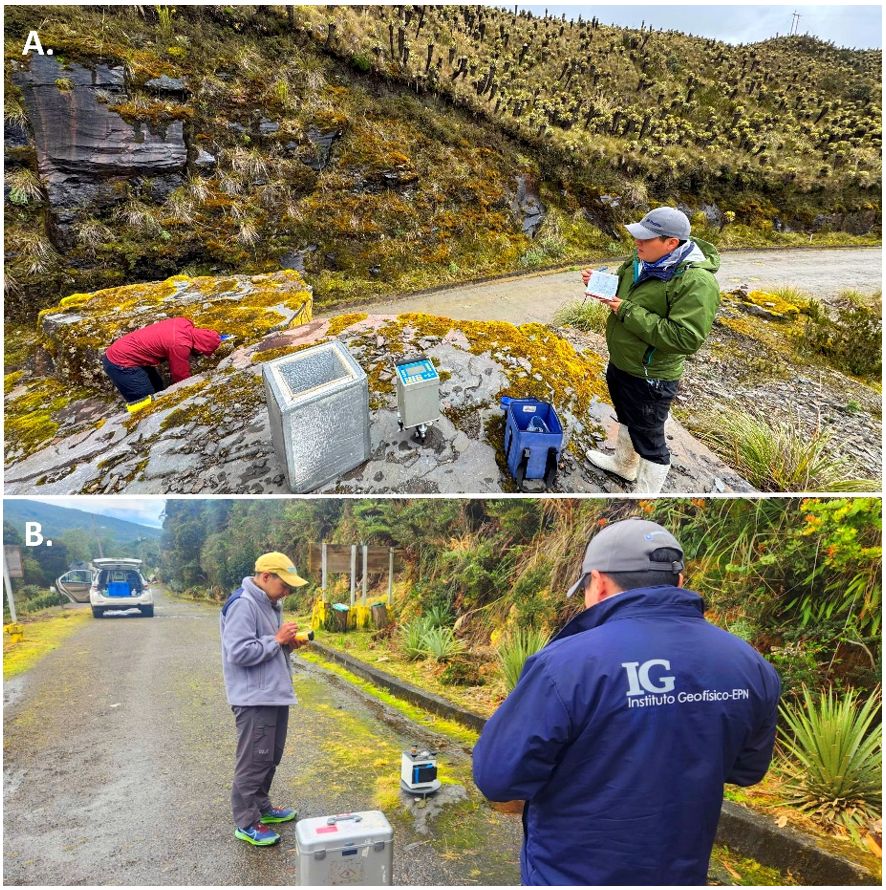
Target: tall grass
(779,455)
(586,315)
(833,765)
(515,649)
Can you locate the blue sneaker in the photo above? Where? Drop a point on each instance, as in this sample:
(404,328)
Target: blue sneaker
(278,814)
(259,835)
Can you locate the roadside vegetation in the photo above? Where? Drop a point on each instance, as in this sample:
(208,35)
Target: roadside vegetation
(481,585)
(44,631)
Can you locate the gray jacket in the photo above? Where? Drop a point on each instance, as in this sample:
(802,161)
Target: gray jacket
(256,667)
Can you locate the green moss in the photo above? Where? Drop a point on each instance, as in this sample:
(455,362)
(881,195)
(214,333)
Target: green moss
(44,632)
(341,322)
(449,728)
(29,417)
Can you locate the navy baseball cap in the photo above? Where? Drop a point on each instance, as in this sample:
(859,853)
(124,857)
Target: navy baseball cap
(627,546)
(667,222)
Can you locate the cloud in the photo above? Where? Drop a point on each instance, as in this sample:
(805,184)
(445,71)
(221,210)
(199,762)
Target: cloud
(143,510)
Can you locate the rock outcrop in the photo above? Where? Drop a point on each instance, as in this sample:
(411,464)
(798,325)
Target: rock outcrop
(85,149)
(210,434)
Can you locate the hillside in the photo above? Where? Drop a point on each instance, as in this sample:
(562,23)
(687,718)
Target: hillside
(246,139)
(55,521)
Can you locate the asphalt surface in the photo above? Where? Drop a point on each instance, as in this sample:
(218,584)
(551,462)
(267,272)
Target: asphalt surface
(537,297)
(118,753)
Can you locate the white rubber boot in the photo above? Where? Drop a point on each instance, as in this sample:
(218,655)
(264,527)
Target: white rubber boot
(624,462)
(650,477)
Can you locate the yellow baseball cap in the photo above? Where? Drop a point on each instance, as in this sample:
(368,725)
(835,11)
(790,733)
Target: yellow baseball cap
(281,565)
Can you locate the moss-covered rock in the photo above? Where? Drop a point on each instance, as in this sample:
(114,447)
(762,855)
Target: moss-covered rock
(81,326)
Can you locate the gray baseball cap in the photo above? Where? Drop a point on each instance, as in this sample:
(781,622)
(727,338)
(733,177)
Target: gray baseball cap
(627,546)
(663,221)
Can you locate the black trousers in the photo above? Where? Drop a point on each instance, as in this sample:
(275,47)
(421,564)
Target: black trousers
(134,384)
(642,405)
(261,737)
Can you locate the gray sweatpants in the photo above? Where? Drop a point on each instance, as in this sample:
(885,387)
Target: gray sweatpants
(261,735)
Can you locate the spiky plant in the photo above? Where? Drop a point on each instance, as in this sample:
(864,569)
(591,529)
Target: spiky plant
(440,643)
(198,188)
(247,233)
(515,649)
(412,638)
(833,757)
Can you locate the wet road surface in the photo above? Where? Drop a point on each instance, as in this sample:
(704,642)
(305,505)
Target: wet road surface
(819,273)
(118,752)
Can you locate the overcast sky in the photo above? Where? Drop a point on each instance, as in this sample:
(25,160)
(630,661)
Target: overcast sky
(857,26)
(143,511)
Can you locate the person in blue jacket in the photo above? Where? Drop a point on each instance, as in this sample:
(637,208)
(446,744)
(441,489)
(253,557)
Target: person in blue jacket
(622,731)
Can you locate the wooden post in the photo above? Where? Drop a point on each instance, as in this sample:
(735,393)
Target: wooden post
(353,573)
(323,568)
(8,584)
(365,579)
(390,576)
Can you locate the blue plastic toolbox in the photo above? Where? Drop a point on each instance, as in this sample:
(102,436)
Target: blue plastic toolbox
(533,440)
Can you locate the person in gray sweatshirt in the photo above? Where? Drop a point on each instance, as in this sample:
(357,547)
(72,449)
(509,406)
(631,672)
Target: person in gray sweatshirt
(256,644)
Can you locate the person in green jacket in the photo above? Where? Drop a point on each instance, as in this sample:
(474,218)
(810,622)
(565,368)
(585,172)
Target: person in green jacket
(663,311)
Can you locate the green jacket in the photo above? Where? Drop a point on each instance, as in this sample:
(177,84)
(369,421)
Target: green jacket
(659,322)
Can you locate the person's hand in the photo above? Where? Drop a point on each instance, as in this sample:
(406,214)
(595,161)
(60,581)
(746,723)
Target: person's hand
(586,276)
(613,304)
(286,635)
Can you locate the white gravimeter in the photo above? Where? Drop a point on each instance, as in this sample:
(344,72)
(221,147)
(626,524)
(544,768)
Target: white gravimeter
(418,772)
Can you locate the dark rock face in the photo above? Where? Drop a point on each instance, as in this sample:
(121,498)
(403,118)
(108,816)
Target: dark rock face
(322,144)
(296,259)
(84,147)
(527,204)
(205,162)
(166,84)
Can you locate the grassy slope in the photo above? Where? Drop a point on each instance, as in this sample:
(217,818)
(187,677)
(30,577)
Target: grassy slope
(418,192)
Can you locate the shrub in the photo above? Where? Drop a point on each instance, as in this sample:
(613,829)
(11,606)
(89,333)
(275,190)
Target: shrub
(440,643)
(834,746)
(851,341)
(43,601)
(780,456)
(515,649)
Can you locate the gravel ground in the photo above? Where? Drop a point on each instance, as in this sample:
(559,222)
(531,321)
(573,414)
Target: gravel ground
(118,751)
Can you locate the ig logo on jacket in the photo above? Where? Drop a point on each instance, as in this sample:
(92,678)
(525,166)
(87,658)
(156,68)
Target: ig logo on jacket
(640,680)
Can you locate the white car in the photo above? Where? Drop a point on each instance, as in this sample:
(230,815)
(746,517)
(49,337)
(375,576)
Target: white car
(118,584)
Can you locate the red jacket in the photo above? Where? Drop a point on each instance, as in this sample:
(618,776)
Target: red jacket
(170,340)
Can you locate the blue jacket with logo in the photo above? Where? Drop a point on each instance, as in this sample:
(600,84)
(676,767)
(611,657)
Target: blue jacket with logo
(620,735)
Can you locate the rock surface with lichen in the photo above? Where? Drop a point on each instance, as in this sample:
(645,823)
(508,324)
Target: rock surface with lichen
(81,326)
(210,434)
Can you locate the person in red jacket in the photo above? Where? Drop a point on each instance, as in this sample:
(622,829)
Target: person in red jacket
(131,362)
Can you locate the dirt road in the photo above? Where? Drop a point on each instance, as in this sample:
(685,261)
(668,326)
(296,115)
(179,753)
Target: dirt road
(537,297)
(118,749)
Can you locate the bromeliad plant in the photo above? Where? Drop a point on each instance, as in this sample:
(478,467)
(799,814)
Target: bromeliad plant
(833,765)
(515,649)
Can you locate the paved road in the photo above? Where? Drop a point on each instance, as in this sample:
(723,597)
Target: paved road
(117,762)
(819,273)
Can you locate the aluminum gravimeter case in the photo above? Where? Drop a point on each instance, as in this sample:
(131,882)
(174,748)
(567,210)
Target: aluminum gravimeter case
(318,403)
(348,849)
